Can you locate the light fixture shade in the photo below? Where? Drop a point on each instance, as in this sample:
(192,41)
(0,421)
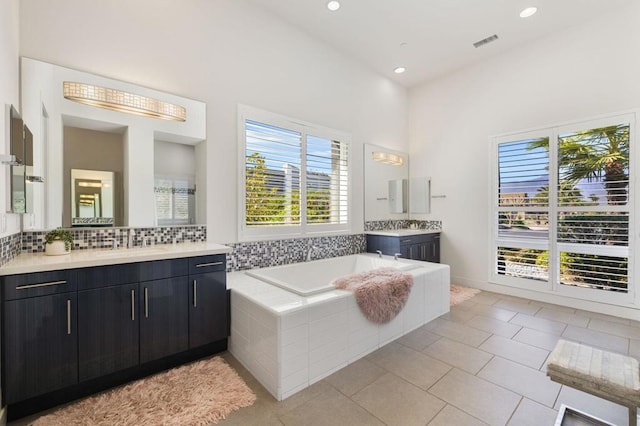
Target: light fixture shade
(388,158)
(118,100)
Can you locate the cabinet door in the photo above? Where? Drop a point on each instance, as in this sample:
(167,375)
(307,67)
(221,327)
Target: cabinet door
(164,324)
(107,330)
(40,346)
(433,249)
(208,313)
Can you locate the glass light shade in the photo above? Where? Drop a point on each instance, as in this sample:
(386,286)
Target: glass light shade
(388,158)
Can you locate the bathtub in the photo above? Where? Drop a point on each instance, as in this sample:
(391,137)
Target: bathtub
(316,276)
(289,341)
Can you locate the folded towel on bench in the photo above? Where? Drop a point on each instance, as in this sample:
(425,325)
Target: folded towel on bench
(380,293)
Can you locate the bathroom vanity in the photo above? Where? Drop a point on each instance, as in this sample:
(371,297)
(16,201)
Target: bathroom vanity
(416,244)
(93,319)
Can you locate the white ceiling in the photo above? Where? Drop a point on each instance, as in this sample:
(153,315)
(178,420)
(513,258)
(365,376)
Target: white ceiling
(439,33)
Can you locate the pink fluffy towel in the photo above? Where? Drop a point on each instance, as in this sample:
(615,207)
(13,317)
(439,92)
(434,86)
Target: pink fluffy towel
(381,293)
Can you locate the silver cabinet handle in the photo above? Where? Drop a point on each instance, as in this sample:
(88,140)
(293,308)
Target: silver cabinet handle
(146,302)
(423,252)
(195,293)
(68,316)
(202,265)
(405,241)
(133,305)
(27,286)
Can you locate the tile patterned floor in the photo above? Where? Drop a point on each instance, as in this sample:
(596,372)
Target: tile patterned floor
(481,364)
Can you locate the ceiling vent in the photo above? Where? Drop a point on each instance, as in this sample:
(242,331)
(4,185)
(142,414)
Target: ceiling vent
(485,41)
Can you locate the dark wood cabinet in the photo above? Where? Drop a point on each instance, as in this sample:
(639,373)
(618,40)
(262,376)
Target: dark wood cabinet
(72,331)
(425,247)
(108,332)
(40,345)
(208,296)
(164,324)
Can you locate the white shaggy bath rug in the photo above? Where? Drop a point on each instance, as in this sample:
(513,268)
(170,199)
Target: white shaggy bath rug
(459,294)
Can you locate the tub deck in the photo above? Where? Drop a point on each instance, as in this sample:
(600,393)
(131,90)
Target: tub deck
(288,342)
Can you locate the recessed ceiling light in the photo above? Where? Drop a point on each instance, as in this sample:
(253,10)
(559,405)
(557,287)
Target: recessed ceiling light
(333,5)
(399,70)
(529,11)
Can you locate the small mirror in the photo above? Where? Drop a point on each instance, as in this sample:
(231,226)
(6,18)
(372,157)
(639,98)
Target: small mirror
(92,198)
(18,199)
(398,196)
(384,169)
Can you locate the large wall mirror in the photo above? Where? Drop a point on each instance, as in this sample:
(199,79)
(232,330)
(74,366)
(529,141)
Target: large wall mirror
(71,135)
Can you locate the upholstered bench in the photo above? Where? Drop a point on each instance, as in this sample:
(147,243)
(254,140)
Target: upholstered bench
(608,375)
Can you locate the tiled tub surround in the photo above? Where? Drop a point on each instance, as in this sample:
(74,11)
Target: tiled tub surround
(96,238)
(289,342)
(385,225)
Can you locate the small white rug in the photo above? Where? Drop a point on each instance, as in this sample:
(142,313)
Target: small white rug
(459,294)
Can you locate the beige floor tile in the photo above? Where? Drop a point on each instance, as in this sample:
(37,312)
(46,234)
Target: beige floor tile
(458,315)
(419,338)
(530,413)
(604,317)
(494,326)
(598,407)
(451,416)
(259,413)
(493,312)
(413,366)
(540,324)
(458,332)
(565,317)
(459,355)
(557,308)
(305,395)
(486,298)
(519,352)
(518,306)
(466,305)
(478,397)
(597,339)
(329,408)
(355,376)
(397,402)
(621,330)
(525,381)
(537,338)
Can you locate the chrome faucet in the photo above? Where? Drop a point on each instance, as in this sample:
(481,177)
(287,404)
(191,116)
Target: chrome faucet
(397,255)
(310,252)
(379,253)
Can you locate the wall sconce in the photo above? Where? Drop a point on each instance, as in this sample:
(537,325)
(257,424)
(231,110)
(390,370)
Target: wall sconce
(388,158)
(118,100)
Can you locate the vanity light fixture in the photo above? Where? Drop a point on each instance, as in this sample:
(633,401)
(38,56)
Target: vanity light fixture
(118,100)
(529,11)
(388,158)
(90,184)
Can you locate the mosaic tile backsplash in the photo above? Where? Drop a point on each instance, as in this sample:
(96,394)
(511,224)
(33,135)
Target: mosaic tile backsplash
(261,254)
(10,247)
(95,238)
(383,225)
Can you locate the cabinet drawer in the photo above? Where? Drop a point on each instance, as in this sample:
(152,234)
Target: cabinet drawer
(211,263)
(38,284)
(106,276)
(160,269)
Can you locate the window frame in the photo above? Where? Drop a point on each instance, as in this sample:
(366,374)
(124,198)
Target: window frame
(554,247)
(304,229)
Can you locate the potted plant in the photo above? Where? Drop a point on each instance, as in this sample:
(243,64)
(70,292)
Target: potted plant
(58,241)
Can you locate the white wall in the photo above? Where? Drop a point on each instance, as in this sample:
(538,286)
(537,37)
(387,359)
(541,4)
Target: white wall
(222,52)
(9,94)
(585,71)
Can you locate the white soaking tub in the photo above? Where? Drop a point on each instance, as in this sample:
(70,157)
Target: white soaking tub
(289,341)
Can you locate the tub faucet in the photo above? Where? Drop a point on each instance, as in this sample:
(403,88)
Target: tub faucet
(379,253)
(310,252)
(397,255)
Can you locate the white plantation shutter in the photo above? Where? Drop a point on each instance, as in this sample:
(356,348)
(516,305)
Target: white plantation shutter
(562,206)
(295,177)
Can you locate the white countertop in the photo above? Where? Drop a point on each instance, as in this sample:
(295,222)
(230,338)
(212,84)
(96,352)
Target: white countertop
(403,232)
(39,262)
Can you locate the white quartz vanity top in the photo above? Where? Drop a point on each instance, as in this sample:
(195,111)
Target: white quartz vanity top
(403,232)
(39,262)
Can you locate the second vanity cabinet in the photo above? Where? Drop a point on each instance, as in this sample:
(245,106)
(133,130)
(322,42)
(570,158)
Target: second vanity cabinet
(415,246)
(68,328)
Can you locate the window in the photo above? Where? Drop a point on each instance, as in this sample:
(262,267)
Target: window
(286,165)
(562,210)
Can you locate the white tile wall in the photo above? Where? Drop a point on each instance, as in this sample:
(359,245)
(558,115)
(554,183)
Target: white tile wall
(290,349)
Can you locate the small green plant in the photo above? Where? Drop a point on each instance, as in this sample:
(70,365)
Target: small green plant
(61,235)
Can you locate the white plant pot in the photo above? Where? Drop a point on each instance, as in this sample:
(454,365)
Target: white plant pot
(55,248)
